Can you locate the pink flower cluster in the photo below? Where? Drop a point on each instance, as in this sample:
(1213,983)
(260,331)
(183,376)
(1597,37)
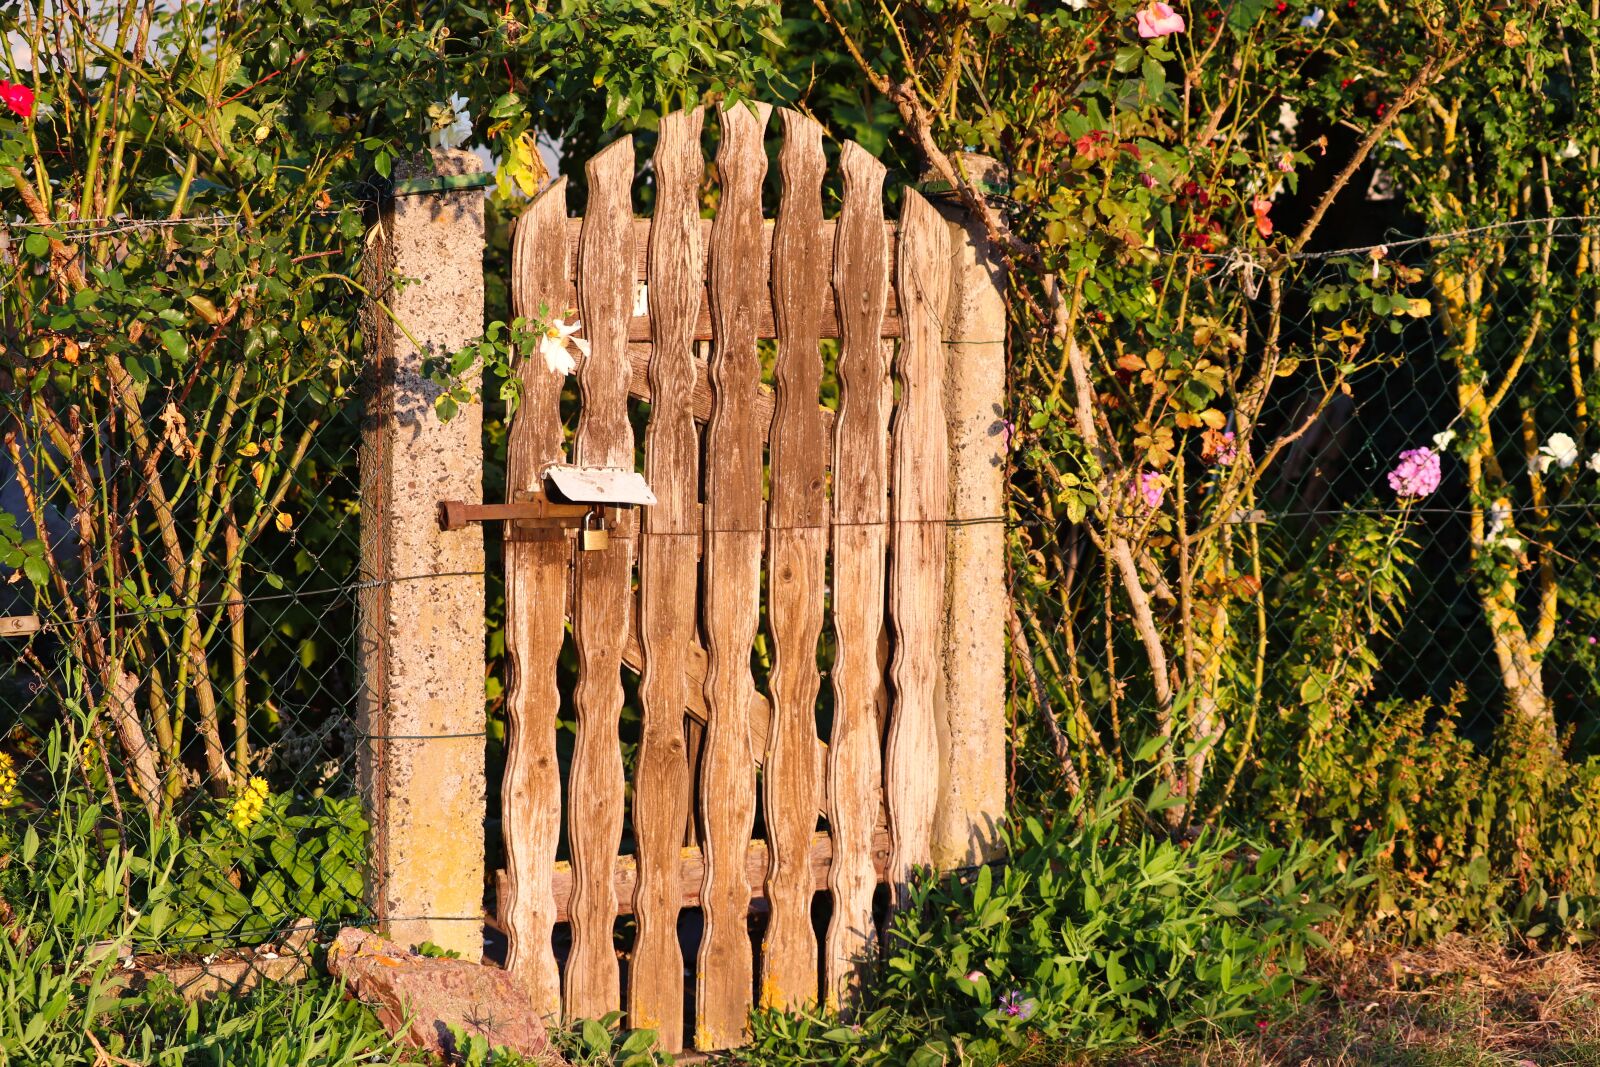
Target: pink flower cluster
(1225,448)
(1416,475)
(1017,1006)
(1152,488)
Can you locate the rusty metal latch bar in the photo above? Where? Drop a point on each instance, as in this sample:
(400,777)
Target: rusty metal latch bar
(577,498)
(536,510)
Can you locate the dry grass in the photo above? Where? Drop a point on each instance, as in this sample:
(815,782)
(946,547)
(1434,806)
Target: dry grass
(1457,1004)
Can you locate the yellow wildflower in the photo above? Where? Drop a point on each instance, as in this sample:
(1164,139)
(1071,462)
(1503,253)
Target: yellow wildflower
(247,807)
(8,779)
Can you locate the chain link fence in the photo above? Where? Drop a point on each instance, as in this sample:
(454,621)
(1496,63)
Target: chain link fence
(1325,591)
(192,561)
(180,537)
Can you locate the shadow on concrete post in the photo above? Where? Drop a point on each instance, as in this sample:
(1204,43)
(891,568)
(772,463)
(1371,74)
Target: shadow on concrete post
(421,606)
(972,718)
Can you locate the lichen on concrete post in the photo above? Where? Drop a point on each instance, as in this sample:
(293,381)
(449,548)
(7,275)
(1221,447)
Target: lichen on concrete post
(972,722)
(421,630)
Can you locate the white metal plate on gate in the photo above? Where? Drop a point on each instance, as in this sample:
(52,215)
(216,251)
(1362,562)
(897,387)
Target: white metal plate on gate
(611,486)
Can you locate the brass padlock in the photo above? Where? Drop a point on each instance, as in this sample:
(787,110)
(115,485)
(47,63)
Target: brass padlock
(592,535)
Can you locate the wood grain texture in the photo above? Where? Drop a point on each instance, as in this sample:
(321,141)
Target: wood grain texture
(796,568)
(859,516)
(536,596)
(667,576)
(640,389)
(691,872)
(639,328)
(694,665)
(602,590)
(731,581)
(916,578)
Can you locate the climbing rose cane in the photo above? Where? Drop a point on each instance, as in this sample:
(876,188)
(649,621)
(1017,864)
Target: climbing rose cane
(1416,475)
(1159,20)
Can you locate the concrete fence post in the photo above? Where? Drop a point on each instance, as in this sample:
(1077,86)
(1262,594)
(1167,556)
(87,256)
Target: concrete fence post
(972,725)
(421,608)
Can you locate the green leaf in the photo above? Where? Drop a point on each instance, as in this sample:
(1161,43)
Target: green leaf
(37,571)
(506,105)
(638,1041)
(1244,14)
(596,1036)
(1151,747)
(175,344)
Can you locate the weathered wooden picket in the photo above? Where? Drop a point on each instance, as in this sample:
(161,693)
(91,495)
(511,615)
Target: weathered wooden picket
(869,526)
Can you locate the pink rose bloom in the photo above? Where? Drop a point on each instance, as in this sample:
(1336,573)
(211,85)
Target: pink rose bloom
(1416,475)
(1159,20)
(1227,449)
(1150,489)
(19,98)
(1259,207)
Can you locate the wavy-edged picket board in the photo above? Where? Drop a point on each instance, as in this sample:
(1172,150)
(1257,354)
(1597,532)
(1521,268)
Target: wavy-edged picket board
(917,568)
(691,872)
(602,592)
(733,280)
(640,389)
(668,568)
(731,585)
(859,515)
(796,568)
(536,566)
(766,321)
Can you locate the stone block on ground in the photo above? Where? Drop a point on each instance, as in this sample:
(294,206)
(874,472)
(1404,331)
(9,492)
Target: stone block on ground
(420,997)
(229,972)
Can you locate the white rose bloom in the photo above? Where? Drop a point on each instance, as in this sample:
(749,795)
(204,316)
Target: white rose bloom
(1288,121)
(1499,515)
(1559,451)
(1499,521)
(553,346)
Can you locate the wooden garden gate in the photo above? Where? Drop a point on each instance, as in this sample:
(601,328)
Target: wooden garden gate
(763,498)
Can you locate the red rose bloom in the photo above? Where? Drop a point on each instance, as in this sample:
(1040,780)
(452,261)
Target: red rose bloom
(19,98)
